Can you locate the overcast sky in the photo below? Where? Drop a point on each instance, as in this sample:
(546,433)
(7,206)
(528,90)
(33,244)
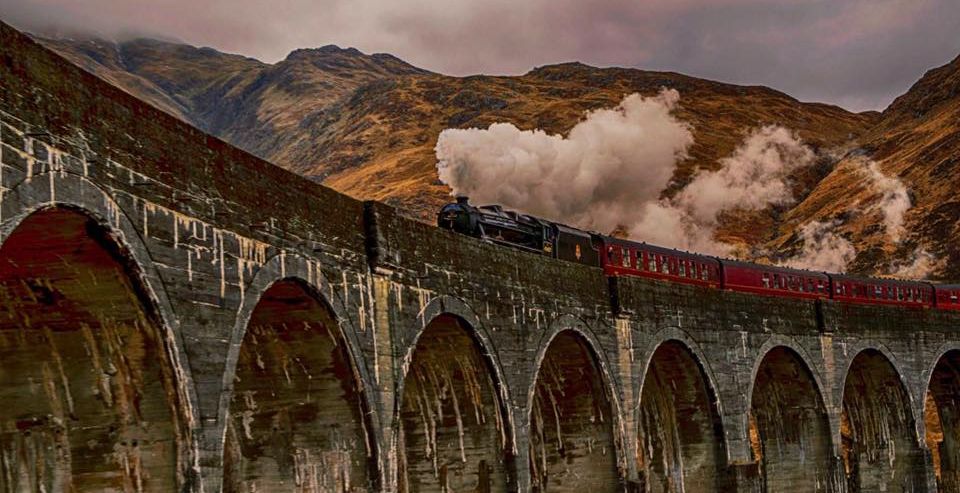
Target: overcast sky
(859,54)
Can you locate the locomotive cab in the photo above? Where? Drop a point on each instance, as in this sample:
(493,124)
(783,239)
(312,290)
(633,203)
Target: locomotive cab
(459,217)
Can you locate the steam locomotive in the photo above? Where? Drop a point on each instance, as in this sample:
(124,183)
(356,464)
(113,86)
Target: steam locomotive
(619,257)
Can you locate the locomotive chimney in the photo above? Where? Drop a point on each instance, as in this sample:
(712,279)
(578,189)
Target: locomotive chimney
(463,199)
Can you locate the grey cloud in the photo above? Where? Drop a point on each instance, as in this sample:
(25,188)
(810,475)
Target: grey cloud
(857,53)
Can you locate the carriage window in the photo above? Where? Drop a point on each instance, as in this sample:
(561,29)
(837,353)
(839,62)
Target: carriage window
(953,296)
(693,270)
(651,263)
(766,280)
(683,268)
(625,257)
(910,294)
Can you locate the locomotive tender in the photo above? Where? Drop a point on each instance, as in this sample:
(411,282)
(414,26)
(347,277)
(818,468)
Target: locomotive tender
(620,257)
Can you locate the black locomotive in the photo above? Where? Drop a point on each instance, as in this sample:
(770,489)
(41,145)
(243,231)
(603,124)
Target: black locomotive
(493,223)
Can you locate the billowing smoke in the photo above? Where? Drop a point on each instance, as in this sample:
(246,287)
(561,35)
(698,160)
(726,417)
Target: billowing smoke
(823,248)
(599,177)
(612,168)
(755,176)
(920,265)
(894,200)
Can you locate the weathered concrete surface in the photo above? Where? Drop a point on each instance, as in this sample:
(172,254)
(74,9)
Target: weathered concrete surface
(177,314)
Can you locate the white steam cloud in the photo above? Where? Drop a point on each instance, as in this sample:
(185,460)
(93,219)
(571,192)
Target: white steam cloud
(611,169)
(754,177)
(823,248)
(599,176)
(894,200)
(919,266)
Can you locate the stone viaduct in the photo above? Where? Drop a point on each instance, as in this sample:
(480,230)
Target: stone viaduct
(177,315)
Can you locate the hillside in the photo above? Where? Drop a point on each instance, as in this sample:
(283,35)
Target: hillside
(367,125)
(917,139)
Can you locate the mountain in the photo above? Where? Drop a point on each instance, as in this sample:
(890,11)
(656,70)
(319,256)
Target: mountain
(268,110)
(367,126)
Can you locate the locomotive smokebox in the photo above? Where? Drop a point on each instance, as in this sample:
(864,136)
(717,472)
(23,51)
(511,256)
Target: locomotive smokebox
(463,199)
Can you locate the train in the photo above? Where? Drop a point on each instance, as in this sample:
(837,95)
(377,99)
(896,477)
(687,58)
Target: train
(619,257)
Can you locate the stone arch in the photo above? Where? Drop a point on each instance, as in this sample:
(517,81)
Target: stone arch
(789,424)
(879,448)
(576,439)
(76,191)
(279,267)
(942,417)
(296,411)
(454,430)
(910,385)
(777,340)
(455,307)
(126,388)
(681,445)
